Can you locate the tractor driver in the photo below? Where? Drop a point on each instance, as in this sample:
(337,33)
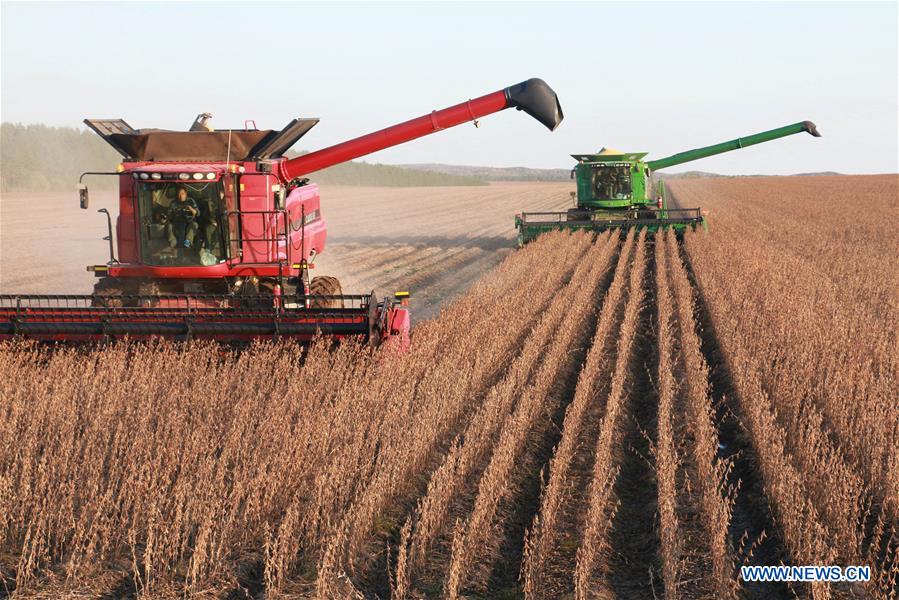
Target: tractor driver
(605,180)
(182,220)
(622,182)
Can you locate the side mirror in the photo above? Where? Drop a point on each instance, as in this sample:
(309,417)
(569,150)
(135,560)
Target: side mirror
(83,196)
(572,173)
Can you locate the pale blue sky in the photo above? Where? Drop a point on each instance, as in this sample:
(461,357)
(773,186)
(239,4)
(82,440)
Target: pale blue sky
(657,77)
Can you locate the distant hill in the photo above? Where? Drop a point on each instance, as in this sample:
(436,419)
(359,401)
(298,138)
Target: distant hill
(494,173)
(528,174)
(831,173)
(39,158)
(361,173)
(705,175)
(687,175)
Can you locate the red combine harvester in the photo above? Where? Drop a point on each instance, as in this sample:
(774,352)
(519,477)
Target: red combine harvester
(217,232)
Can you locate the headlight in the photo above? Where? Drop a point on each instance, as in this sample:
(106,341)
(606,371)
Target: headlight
(156,176)
(198,176)
(144,175)
(135,175)
(183,176)
(210,175)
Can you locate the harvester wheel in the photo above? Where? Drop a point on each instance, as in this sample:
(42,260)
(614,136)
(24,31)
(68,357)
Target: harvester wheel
(326,286)
(108,295)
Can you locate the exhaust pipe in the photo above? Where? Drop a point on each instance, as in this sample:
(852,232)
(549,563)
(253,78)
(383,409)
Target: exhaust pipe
(533,96)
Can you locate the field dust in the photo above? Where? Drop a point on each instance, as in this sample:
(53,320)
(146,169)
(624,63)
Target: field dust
(433,242)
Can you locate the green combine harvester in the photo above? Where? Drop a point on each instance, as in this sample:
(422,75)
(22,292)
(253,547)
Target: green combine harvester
(615,190)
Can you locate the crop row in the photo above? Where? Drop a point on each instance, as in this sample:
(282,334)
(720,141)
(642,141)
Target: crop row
(813,367)
(168,468)
(599,416)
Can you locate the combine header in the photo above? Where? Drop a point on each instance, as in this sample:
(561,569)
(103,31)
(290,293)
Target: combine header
(615,189)
(217,232)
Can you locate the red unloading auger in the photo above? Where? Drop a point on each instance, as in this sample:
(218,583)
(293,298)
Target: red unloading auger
(533,96)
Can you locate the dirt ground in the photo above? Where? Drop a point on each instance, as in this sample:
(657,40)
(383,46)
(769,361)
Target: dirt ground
(433,242)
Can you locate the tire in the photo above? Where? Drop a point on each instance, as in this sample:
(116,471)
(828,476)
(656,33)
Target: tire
(327,286)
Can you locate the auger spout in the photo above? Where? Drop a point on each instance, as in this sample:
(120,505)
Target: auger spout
(758,138)
(533,96)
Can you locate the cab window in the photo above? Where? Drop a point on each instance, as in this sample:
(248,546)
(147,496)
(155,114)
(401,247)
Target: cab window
(611,182)
(182,223)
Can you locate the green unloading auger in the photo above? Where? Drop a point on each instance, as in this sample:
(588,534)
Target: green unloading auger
(615,189)
(744,142)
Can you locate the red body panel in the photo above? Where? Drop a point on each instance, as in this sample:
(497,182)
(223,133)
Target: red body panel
(126,222)
(400,324)
(263,250)
(304,203)
(257,231)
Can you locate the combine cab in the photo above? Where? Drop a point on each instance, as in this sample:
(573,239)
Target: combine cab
(217,233)
(615,190)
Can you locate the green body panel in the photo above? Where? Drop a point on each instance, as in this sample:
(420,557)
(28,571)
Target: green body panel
(615,189)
